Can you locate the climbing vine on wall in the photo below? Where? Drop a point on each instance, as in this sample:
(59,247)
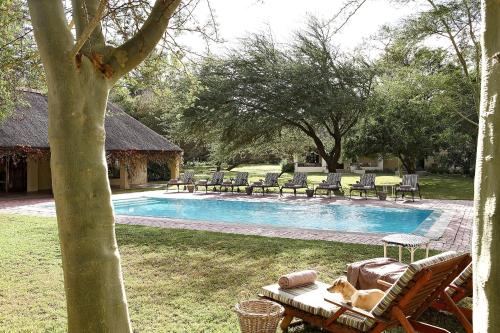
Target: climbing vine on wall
(17,153)
(130,157)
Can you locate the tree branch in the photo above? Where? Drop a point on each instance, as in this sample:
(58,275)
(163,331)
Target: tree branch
(458,52)
(50,29)
(131,53)
(89,28)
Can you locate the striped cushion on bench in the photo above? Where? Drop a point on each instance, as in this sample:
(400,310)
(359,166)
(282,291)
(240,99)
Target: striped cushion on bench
(311,299)
(403,282)
(461,279)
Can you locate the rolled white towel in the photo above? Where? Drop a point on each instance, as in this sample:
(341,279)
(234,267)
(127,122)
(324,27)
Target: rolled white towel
(297,279)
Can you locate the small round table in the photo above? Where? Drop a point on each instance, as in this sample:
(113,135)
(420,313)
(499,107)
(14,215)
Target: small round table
(386,186)
(408,241)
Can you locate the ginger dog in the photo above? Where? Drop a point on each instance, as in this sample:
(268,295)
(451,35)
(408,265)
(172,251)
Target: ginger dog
(363,299)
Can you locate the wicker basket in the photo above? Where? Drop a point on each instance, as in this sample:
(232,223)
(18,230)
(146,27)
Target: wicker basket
(259,316)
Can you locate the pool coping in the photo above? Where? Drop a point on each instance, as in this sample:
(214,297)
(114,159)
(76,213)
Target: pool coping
(455,226)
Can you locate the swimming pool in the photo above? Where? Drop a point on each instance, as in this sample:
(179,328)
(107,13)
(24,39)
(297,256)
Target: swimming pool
(346,218)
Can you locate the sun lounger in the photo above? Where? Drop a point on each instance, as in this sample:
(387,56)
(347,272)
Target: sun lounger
(366,183)
(186,179)
(382,273)
(299,181)
(217,179)
(421,284)
(409,184)
(270,181)
(240,180)
(332,183)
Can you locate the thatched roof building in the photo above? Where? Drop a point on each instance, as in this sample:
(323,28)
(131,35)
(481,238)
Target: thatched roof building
(24,136)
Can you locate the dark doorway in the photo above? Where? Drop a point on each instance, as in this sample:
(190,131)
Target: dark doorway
(158,172)
(3,174)
(17,175)
(420,164)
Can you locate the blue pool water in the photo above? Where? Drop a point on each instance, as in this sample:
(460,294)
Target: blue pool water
(349,218)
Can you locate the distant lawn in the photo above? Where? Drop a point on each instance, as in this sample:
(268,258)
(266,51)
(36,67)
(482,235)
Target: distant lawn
(176,280)
(451,187)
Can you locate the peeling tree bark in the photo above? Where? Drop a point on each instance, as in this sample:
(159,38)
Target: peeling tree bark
(78,90)
(486,235)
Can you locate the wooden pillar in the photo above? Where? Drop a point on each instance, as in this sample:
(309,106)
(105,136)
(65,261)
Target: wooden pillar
(138,168)
(124,181)
(174,165)
(31,174)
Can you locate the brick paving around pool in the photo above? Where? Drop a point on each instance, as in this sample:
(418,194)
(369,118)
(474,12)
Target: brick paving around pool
(456,236)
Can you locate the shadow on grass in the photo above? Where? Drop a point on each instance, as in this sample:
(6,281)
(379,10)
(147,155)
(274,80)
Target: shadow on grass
(176,280)
(209,272)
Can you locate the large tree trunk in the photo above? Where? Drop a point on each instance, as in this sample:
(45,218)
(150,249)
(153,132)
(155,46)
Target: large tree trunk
(93,281)
(332,163)
(408,163)
(486,235)
(331,158)
(79,75)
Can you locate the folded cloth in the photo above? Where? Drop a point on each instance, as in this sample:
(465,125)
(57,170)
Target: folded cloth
(227,183)
(297,279)
(364,274)
(173,181)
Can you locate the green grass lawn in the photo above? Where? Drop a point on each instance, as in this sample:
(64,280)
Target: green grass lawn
(449,187)
(176,280)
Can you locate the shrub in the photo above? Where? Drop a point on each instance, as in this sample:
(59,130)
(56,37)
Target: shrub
(287,167)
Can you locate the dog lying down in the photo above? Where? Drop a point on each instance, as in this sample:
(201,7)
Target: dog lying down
(363,299)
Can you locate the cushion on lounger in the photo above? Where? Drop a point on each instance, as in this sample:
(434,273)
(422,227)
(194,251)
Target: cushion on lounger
(461,279)
(403,282)
(311,299)
(326,185)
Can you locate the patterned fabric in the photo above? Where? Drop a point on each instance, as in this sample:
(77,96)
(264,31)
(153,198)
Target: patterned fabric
(217,178)
(384,306)
(367,180)
(271,179)
(241,179)
(407,240)
(461,279)
(311,299)
(299,180)
(409,183)
(332,180)
(188,177)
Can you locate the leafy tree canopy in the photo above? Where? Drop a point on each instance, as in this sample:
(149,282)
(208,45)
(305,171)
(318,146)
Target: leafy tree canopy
(262,88)
(19,62)
(446,22)
(417,90)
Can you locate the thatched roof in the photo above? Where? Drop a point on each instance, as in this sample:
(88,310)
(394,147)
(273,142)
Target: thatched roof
(27,126)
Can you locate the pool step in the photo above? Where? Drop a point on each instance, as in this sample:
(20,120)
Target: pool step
(124,203)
